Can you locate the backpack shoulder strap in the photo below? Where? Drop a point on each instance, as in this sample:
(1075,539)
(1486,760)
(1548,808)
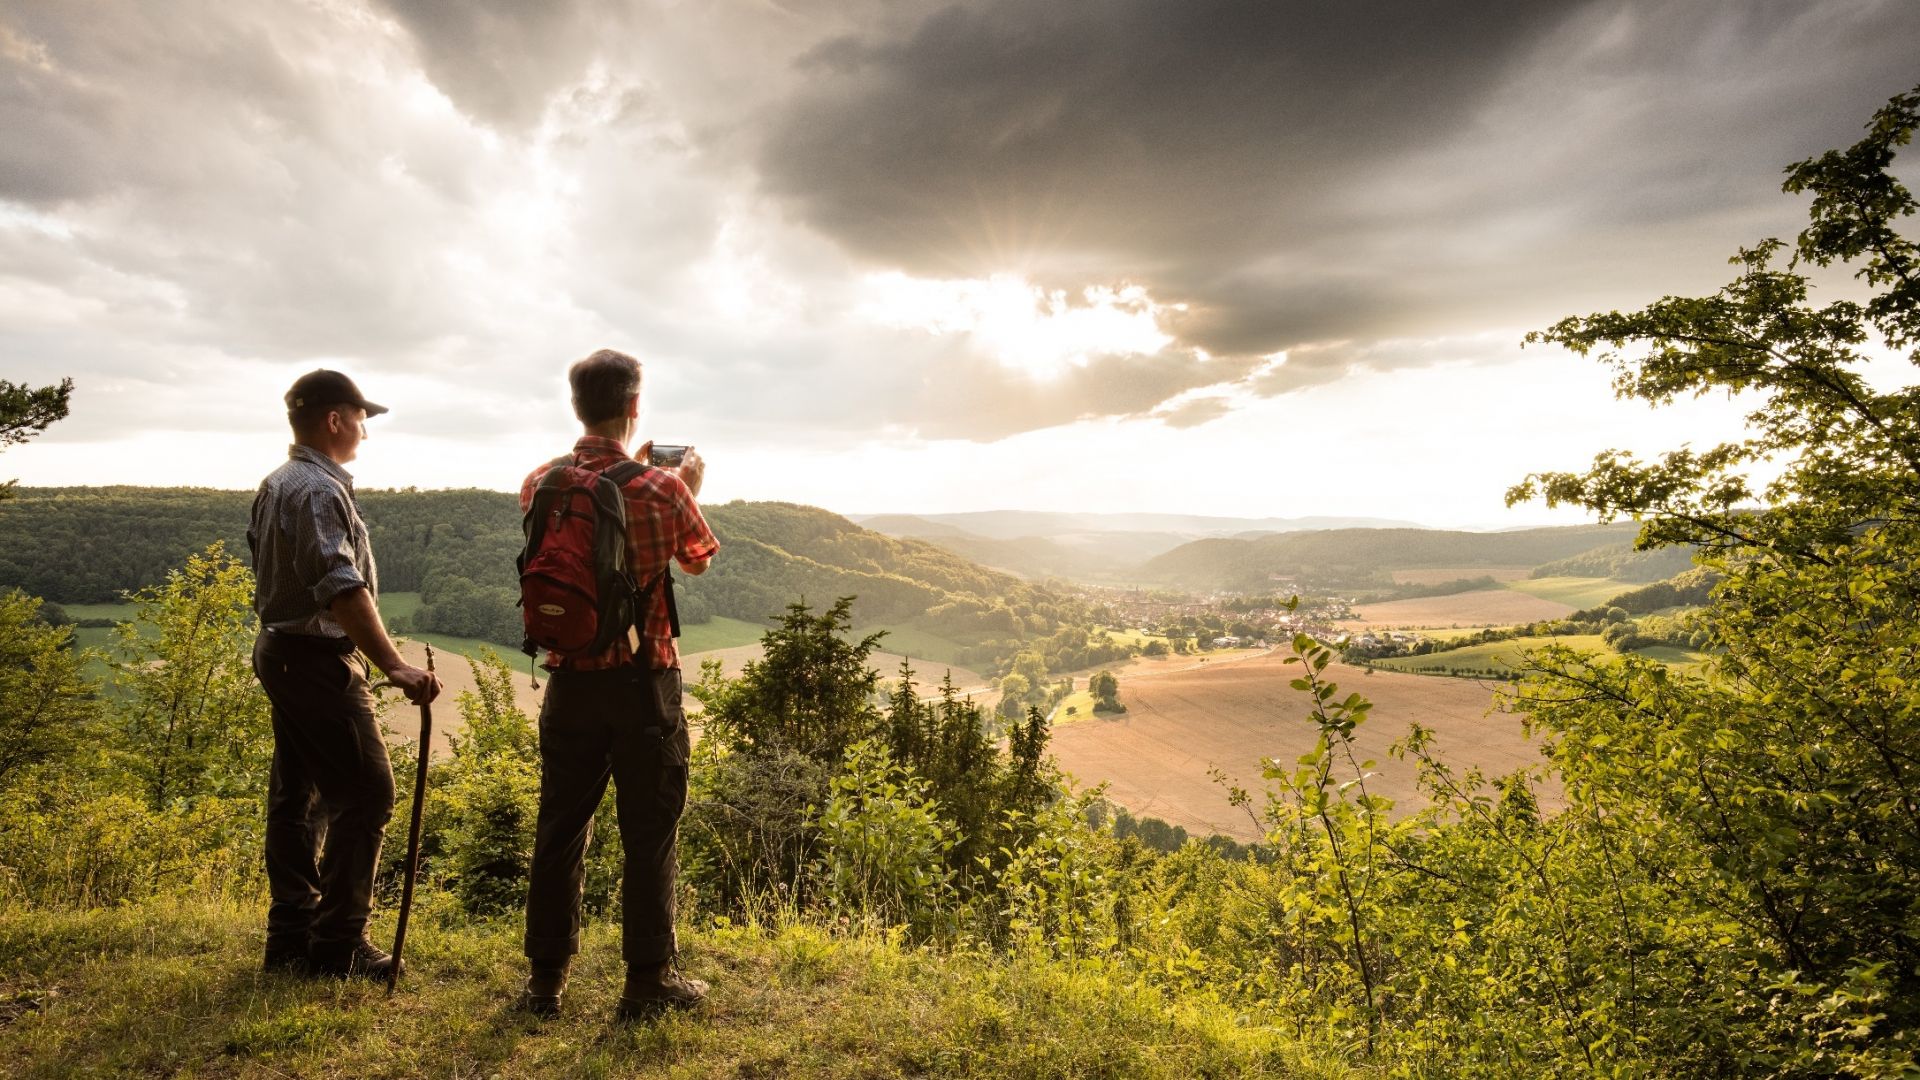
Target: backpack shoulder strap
(551,472)
(626,472)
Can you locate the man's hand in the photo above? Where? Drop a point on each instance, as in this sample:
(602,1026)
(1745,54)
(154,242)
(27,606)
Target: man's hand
(692,470)
(419,684)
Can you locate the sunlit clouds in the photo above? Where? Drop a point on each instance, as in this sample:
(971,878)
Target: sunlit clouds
(1247,258)
(1030,329)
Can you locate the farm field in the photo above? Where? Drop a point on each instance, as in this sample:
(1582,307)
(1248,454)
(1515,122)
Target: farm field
(926,649)
(1451,632)
(1484,607)
(1581,592)
(1495,655)
(1183,722)
(1442,575)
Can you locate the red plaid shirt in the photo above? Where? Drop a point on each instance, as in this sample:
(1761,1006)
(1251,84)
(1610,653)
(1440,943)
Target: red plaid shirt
(663,524)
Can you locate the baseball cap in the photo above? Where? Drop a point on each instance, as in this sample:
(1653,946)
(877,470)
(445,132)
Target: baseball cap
(324,387)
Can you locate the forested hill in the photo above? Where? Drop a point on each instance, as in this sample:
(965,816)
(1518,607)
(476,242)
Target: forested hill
(1358,556)
(456,548)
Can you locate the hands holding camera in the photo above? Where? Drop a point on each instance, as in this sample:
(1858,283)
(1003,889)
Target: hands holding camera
(683,461)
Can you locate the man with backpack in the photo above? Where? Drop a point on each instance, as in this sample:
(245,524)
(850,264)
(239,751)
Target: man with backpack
(603,531)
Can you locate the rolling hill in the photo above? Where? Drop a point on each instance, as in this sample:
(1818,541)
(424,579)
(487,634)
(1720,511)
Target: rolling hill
(1350,555)
(456,548)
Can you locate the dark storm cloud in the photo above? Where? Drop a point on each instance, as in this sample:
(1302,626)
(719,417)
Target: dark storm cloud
(500,60)
(1301,172)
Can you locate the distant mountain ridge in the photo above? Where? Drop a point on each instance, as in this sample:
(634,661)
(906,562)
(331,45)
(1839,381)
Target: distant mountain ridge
(1084,547)
(1017,524)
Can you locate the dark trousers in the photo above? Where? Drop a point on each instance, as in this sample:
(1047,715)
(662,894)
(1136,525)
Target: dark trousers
(329,795)
(624,724)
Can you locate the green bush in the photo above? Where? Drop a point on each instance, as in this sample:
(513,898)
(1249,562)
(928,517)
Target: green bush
(74,844)
(882,844)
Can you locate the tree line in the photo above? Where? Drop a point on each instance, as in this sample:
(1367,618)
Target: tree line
(456,549)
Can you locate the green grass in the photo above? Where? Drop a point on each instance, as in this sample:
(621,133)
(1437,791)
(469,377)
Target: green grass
(173,988)
(116,612)
(1579,592)
(719,632)
(1081,701)
(1451,633)
(1134,636)
(1674,656)
(1494,655)
(916,643)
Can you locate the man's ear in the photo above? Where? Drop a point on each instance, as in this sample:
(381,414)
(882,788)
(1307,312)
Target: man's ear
(633,407)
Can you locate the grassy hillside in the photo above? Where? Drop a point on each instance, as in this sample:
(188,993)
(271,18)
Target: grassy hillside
(1358,554)
(173,988)
(1577,592)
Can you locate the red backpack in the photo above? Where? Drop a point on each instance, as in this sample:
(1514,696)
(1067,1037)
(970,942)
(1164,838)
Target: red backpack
(577,593)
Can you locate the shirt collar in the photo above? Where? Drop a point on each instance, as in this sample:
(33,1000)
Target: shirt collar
(598,446)
(308,454)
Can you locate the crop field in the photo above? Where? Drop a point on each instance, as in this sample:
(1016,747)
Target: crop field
(1494,655)
(1485,607)
(1184,721)
(1442,575)
(1581,592)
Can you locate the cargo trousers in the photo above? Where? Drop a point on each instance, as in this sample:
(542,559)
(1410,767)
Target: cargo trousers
(330,792)
(626,725)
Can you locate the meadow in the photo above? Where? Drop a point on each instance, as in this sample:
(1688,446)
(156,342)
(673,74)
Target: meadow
(1580,592)
(172,987)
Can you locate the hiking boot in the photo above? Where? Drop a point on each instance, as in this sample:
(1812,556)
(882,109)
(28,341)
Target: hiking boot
(541,995)
(286,960)
(352,960)
(656,988)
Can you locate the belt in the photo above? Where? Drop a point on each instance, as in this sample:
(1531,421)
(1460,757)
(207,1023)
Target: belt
(338,646)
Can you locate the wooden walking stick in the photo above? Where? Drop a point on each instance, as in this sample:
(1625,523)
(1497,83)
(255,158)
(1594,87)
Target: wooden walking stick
(413,834)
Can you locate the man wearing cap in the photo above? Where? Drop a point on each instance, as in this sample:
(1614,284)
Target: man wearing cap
(331,790)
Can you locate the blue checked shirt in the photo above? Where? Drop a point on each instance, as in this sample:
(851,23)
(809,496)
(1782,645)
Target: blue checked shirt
(309,544)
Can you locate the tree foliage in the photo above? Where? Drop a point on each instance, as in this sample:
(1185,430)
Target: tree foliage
(193,721)
(46,702)
(1779,789)
(26,411)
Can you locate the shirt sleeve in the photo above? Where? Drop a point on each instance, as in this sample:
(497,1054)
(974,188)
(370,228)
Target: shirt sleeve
(527,487)
(696,540)
(323,551)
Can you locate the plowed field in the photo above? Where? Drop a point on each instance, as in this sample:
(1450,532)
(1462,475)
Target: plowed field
(1486,607)
(1181,723)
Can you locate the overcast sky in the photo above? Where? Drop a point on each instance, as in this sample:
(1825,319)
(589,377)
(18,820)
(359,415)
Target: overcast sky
(1270,257)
